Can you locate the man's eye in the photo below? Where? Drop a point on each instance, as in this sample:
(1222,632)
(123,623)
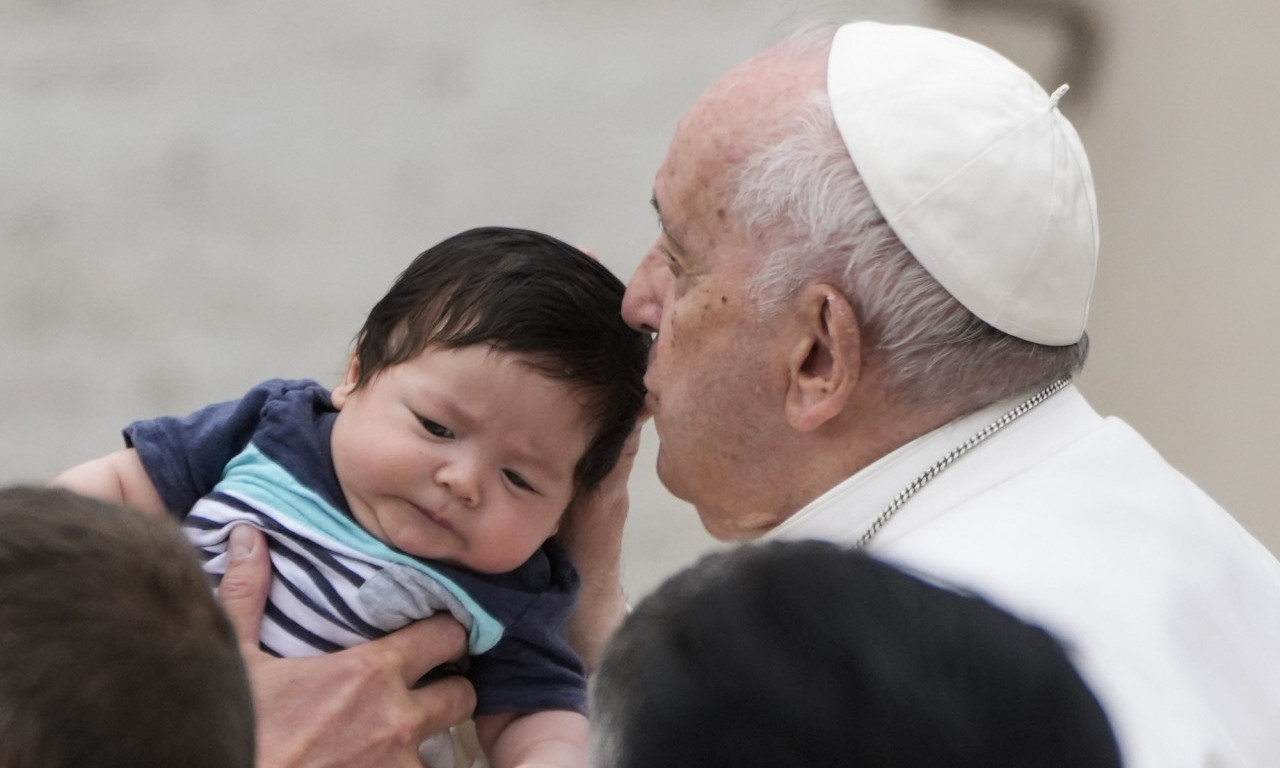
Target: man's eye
(437,429)
(518,481)
(672,263)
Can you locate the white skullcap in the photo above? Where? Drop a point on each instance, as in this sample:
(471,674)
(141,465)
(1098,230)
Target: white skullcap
(976,171)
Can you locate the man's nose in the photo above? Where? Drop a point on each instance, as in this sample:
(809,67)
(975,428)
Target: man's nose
(641,304)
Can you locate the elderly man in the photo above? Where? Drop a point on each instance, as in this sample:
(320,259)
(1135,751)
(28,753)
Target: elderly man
(869,292)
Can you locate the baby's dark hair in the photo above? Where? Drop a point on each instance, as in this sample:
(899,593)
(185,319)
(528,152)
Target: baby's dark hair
(531,295)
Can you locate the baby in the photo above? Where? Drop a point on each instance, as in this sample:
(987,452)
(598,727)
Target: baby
(494,382)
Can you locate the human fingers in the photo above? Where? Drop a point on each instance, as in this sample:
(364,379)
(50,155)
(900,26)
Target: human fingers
(415,650)
(350,709)
(632,445)
(599,514)
(591,531)
(244,588)
(443,703)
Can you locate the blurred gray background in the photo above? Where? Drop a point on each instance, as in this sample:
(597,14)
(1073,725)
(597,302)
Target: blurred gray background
(198,195)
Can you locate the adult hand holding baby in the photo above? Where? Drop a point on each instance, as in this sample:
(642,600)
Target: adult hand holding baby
(591,531)
(356,708)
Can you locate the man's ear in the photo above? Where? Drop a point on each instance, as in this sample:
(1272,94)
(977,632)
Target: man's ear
(826,357)
(341,392)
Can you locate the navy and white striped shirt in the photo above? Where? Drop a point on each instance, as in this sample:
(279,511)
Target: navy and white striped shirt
(265,460)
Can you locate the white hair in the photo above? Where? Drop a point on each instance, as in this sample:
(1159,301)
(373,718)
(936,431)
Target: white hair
(805,206)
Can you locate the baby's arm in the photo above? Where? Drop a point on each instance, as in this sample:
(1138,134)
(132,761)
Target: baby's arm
(117,477)
(551,739)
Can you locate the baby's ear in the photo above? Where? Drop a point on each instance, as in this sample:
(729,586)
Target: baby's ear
(341,392)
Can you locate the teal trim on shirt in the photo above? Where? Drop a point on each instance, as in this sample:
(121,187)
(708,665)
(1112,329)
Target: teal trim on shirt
(255,477)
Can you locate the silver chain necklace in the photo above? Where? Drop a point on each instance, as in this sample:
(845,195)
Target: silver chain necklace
(923,479)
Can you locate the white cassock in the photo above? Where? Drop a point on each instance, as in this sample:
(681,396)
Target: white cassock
(1168,607)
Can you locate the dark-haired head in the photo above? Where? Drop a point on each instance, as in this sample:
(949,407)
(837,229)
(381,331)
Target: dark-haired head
(530,295)
(804,653)
(113,651)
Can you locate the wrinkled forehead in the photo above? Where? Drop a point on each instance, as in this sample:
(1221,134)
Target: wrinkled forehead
(744,111)
(754,102)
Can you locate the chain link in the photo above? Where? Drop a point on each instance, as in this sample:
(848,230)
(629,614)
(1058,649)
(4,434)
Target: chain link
(923,479)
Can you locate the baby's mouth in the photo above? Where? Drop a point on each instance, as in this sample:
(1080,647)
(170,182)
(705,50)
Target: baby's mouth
(433,517)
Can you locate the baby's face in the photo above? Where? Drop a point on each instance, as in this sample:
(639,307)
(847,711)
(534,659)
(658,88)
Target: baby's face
(461,455)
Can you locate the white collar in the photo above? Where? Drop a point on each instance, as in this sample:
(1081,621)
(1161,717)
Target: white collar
(844,512)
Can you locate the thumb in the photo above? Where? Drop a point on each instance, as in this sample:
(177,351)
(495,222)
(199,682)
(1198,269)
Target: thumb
(244,587)
(631,448)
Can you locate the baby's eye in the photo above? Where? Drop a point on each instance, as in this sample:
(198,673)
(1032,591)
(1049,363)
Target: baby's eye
(518,481)
(437,429)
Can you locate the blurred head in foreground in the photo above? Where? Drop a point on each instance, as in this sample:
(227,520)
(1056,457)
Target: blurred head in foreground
(805,653)
(113,651)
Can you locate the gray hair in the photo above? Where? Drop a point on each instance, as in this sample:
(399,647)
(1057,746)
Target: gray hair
(805,206)
(609,715)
